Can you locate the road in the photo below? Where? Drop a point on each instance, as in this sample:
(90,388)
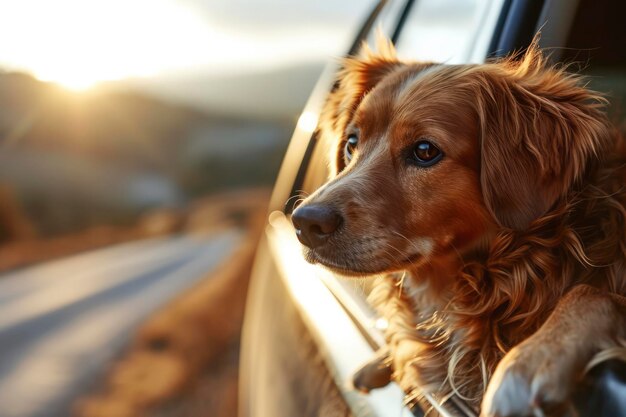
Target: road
(62,322)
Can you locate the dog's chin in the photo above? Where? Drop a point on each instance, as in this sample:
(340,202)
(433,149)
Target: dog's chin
(351,269)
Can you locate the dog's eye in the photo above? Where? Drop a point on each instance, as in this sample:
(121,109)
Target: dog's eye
(426,154)
(350,147)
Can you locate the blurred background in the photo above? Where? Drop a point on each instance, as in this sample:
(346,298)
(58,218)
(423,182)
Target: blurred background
(138,143)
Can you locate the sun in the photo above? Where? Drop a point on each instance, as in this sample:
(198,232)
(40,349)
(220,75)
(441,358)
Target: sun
(78,44)
(75,81)
(77,85)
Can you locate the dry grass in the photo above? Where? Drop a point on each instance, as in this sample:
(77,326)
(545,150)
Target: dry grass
(205,216)
(183,361)
(23,252)
(14,224)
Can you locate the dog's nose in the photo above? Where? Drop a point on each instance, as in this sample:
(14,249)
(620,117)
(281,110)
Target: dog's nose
(314,224)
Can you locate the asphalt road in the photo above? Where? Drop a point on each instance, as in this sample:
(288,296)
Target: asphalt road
(61,322)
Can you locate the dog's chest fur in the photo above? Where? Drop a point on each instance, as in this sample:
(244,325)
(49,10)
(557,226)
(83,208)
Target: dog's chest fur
(421,345)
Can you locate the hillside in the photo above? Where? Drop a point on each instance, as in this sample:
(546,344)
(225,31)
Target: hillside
(271,95)
(74,160)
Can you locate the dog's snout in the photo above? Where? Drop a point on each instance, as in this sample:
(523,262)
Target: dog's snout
(315,223)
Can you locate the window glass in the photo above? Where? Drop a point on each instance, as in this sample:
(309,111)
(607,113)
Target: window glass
(445,30)
(595,48)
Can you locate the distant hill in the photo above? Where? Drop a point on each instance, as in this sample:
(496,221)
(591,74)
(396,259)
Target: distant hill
(122,152)
(277,94)
(109,124)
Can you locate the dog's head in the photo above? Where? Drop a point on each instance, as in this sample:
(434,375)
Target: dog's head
(430,160)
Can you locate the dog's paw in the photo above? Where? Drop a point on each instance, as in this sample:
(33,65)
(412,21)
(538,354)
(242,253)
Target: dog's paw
(374,374)
(532,380)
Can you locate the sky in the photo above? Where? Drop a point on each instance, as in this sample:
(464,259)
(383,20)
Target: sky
(79,43)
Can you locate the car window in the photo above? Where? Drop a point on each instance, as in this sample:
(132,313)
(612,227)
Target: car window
(449,31)
(599,52)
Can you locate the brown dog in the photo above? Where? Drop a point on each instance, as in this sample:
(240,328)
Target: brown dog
(499,190)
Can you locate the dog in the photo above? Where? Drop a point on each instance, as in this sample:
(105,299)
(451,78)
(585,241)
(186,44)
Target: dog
(490,201)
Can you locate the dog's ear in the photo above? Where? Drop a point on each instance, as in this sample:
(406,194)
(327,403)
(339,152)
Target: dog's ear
(540,131)
(358,75)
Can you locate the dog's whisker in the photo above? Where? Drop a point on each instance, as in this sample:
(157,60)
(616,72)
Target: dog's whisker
(290,199)
(402,256)
(299,197)
(403,237)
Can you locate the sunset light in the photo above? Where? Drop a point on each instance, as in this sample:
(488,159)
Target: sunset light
(79,43)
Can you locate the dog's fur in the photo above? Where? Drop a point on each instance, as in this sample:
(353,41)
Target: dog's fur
(503,266)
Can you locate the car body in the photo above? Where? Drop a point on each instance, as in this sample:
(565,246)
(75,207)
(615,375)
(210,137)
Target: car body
(307,330)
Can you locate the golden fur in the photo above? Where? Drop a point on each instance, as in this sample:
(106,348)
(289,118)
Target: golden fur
(512,235)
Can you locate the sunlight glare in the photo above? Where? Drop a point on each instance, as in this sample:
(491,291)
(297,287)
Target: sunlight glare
(307,121)
(78,43)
